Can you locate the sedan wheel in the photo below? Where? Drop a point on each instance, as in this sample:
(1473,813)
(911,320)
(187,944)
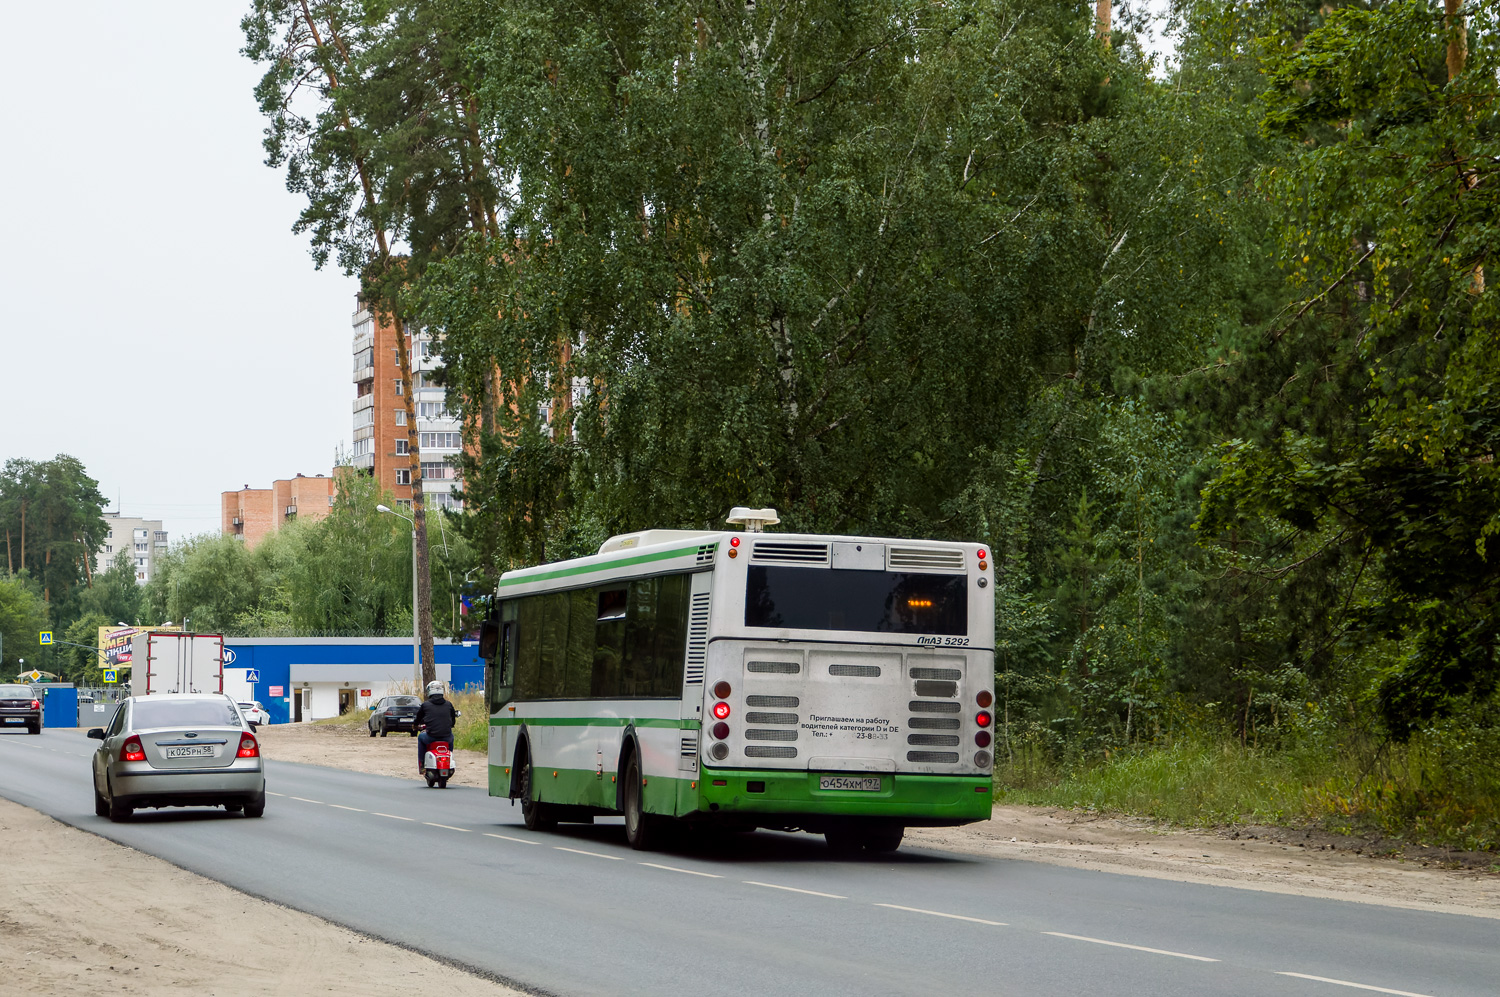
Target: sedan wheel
(256,807)
(101,805)
(372,731)
(119,812)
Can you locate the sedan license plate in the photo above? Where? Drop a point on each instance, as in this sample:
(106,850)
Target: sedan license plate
(190,751)
(869,784)
(15,720)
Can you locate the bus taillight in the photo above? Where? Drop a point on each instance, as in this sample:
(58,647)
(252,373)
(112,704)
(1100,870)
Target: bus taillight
(984,699)
(721,710)
(982,739)
(721,689)
(983,719)
(720,730)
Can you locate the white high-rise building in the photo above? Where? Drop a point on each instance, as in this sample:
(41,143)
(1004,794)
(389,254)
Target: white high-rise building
(143,539)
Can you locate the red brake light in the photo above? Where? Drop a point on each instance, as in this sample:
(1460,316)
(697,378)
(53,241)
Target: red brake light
(721,711)
(131,751)
(984,699)
(248,747)
(36,704)
(982,739)
(983,555)
(721,730)
(983,719)
(734,541)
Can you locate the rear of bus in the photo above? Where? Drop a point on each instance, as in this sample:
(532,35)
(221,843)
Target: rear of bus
(849,685)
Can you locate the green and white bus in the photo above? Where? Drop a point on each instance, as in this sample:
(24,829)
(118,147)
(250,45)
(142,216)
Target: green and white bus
(838,685)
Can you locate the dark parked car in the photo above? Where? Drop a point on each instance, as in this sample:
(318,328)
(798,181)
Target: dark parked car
(394,713)
(19,707)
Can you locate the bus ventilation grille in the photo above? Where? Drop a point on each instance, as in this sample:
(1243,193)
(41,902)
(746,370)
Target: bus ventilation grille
(790,553)
(760,734)
(924,559)
(930,688)
(952,674)
(918,706)
(932,756)
(706,553)
(855,671)
(690,745)
(784,702)
(774,667)
(766,751)
(932,723)
(697,639)
(945,740)
(772,718)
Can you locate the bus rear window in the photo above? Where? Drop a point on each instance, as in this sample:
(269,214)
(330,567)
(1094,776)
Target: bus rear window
(797,598)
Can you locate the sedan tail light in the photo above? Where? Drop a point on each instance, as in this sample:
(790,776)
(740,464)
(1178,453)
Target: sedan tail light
(36,704)
(248,747)
(131,751)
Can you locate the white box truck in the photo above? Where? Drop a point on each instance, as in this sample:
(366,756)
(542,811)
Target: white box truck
(167,661)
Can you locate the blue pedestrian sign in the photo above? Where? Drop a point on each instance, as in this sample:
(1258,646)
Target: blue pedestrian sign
(110,676)
(252,675)
(46,636)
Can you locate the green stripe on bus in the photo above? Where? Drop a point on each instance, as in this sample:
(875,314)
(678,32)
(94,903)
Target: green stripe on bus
(594,722)
(664,555)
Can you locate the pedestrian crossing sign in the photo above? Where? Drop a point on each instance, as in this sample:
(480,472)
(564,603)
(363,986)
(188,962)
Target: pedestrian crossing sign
(109,676)
(46,636)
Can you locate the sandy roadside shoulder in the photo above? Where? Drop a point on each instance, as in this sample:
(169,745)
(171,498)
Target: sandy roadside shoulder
(1272,859)
(82,914)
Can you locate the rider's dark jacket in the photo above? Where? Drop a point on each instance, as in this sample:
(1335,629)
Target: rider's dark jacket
(438,714)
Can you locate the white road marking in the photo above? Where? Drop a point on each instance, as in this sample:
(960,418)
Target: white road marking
(938,913)
(1357,986)
(391,816)
(597,855)
(342,807)
(793,889)
(690,872)
(269,793)
(1138,948)
(447,827)
(506,837)
(303,799)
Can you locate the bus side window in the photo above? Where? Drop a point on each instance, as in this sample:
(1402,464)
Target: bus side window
(609,643)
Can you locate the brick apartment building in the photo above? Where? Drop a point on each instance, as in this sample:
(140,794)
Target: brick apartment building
(255,513)
(380,430)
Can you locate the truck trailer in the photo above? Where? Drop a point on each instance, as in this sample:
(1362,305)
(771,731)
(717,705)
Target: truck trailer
(169,661)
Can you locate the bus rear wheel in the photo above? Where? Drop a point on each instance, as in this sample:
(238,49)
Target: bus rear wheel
(536,814)
(641,829)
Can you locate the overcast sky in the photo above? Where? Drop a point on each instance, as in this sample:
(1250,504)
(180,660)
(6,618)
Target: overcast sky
(163,324)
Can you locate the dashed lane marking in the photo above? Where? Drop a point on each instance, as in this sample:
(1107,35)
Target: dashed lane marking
(447,827)
(938,913)
(673,868)
(597,855)
(303,799)
(391,816)
(506,837)
(1138,948)
(793,889)
(1357,986)
(340,806)
(269,793)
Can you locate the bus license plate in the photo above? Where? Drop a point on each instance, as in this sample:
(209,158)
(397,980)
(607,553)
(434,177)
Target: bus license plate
(870,784)
(190,751)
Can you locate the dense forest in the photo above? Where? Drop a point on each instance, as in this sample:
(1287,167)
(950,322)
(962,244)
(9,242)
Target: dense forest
(1200,343)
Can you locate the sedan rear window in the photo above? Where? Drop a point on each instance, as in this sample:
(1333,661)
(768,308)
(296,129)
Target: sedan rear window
(15,692)
(183,713)
(405,701)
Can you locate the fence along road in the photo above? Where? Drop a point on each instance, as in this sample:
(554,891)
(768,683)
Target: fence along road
(578,912)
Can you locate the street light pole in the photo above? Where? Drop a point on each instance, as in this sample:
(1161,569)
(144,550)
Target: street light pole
(416,640)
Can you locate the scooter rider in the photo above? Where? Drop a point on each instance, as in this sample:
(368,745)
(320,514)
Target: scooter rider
(434,720)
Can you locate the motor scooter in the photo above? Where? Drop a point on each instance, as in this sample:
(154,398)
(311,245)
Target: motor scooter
(437,764)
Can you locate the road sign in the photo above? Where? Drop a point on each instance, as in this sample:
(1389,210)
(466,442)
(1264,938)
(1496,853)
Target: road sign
(252,675)
(35,675)
(46,638)
(109,676)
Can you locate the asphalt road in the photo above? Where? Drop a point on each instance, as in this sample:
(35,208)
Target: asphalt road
(455,874)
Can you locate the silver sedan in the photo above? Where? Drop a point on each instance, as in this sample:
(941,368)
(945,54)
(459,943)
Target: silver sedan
(177,750)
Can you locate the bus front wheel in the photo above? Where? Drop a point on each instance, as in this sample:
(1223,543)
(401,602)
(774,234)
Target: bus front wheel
(536,814)
(641,828)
